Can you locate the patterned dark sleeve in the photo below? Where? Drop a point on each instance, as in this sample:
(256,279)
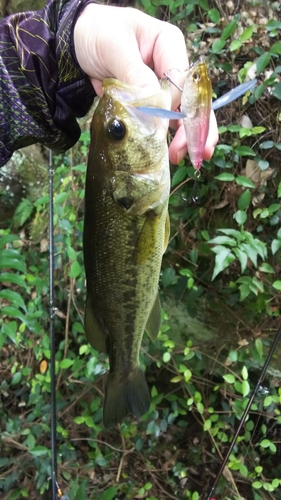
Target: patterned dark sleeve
(42,89)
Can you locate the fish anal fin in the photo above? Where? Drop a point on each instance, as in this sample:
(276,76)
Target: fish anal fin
(93,330)
(125,395)
(154,321)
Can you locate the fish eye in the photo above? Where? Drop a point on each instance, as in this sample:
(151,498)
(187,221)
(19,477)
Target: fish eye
(116,130)
(196,77)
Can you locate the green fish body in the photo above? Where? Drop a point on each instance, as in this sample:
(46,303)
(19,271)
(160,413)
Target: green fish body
(126,231)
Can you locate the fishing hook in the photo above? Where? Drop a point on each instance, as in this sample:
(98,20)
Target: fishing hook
(246,411)
(194,193)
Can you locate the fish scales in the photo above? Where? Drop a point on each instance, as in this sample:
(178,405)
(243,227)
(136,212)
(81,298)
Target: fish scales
(125,235)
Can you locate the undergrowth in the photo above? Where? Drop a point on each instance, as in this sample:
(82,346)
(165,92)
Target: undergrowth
(220,292)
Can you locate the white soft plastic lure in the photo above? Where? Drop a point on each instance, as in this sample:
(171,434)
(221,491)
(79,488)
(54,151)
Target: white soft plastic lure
(225,99)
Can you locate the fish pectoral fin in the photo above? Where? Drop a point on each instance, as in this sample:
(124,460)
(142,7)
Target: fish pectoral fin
(147,239)
(93,330)
(125,395)
(154,321)
(167,231)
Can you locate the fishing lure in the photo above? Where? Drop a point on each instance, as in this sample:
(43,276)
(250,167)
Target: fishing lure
(196,105)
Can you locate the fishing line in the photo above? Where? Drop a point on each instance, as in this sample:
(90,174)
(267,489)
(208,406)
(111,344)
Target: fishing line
(55,489)
(246,411)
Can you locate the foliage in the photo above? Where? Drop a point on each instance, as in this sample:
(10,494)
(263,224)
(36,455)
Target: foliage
(221,299)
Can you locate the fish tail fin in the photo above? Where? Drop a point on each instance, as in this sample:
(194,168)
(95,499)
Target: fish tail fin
(130,395)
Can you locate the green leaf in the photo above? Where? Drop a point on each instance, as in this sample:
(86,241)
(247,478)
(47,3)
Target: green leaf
(242,257)
(230,379)
(13,312)
(276,48)
(259,346)
(267,145)
(223,240)
(235,45)
(14,297)
(72,254)
(277,90)
(277,285)
(267,401)
(244,181)
(168,276)
(240,216)
(245,388)
(16,279)
(243,470)
(11,259)
(60,198)
(244,291)
(229,29)
(244,200)
(257,485)
(79,420)
(207,425)
(23,211)
(218,45)
(225,177)
(179,176)
(275,246)
(262,62)
(273,25)
(247,34)
(223,259)
(166,357)
(244,151)
(66,363)
(266,268)
(214,16)
(39,451)
(75,269)
(265,443)
(109,493)
(244,373)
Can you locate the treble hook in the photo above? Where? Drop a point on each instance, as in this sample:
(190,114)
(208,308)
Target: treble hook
(194,197)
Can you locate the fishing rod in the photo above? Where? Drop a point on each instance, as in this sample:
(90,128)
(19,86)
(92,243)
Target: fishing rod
(57,493)
(246,411)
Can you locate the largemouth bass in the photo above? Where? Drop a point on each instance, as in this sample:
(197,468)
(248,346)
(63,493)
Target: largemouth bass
(126,232)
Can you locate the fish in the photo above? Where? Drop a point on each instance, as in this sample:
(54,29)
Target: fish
(126,232)
(196,104)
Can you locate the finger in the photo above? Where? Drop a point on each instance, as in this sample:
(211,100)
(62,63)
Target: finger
(212,138)
(170,56)
(178,147)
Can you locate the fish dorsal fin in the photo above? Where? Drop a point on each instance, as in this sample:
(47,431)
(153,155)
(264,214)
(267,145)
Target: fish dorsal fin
(153,324)
(93,330)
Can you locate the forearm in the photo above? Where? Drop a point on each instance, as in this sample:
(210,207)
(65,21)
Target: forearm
(42,89)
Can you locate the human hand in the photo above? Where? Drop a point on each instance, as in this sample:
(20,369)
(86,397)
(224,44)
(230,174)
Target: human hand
(137,49)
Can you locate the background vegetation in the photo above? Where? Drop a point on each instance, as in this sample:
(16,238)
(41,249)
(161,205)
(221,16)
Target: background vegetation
(220,288)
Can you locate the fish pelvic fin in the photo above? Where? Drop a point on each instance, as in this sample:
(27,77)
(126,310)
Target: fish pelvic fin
(153,324)
(124,396)
(93,330)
